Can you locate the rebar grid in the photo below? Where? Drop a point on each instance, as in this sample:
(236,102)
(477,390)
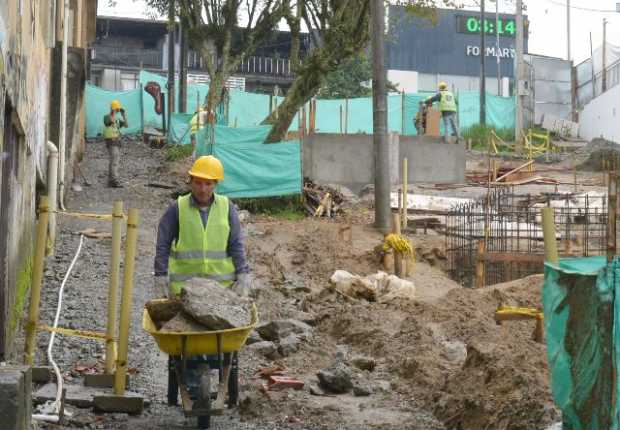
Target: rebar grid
(509,225)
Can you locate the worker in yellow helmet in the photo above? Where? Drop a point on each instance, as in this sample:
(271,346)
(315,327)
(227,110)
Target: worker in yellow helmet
(112,124)
(199,235)
(447,107)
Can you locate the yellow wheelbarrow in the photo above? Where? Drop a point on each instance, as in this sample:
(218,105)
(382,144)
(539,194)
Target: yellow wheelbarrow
(198,353)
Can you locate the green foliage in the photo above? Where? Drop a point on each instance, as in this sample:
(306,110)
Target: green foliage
(347,81)
(24,279)
(286,207)
(481,134)
(177,152)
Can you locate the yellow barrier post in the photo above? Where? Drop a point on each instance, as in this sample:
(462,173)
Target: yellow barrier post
(115,264)
(548,224)
(37,279)
(126,302)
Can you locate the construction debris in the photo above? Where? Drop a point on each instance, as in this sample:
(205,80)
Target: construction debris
(322,200)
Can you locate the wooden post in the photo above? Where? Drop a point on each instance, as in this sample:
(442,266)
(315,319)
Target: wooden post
(612,201)
(480,264)
(346,116)
(115,268)
(548,225)
(398,257)
(405,192)
(37,279)
(126,302)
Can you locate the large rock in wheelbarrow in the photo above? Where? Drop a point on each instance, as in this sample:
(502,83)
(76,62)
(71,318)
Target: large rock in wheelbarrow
(214,306)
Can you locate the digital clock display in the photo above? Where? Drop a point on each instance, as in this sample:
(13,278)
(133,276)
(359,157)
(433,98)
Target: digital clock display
(473,25)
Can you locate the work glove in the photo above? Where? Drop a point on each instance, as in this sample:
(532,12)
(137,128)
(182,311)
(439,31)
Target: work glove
(160,286)
(243,285)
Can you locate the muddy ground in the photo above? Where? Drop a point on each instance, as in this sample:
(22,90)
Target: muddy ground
(441,360)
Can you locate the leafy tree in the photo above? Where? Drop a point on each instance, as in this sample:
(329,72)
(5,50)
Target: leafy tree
(224,32)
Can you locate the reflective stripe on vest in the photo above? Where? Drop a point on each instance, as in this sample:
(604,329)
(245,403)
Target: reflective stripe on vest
(447,102)
(201,252)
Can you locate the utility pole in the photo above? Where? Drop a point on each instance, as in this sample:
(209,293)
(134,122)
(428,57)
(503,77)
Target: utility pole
(483,86)
(568,30)
(603,72)
(171,25)
(497,49)
(379,117)
(183,70)
(519,73)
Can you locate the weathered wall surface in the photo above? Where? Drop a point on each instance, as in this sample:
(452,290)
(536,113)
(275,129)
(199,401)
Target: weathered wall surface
(28,31)
(600,117)
(349,159)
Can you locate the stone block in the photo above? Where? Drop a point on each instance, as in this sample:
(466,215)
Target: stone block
(16,397)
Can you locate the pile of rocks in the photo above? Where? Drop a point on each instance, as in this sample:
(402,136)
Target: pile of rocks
(204,305)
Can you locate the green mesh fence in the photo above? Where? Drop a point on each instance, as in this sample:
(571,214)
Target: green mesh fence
(98,105)
(582,332)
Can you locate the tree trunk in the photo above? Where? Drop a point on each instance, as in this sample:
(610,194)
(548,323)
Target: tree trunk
(310,77)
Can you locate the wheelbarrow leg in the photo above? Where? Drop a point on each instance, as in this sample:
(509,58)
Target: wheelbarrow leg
(224,371)
(173,383)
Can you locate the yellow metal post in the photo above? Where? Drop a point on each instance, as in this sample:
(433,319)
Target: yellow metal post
(548,224)
(405,192)
(37,279)
(126,302)
(115,268)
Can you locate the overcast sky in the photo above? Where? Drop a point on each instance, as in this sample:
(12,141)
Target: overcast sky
(547,22)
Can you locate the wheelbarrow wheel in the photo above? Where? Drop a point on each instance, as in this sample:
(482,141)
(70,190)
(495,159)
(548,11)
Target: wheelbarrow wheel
(233,382)
(173,384)
(204,400)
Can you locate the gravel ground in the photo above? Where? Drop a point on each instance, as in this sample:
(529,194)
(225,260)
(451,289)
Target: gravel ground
(85,297)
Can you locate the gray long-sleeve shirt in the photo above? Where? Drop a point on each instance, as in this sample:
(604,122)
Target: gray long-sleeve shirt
(168,232)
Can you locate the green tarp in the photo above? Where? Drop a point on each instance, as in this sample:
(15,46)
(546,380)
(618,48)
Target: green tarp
(251,167)
(582,330)
(98,105)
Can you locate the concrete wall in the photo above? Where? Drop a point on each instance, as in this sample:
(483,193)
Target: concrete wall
(430,160)
(601,117)
(349,159)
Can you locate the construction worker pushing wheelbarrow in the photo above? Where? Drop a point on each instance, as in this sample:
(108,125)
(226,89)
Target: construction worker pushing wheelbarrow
(199,236)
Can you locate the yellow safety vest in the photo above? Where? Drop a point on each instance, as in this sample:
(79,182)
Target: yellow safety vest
(201,252)
(447,103)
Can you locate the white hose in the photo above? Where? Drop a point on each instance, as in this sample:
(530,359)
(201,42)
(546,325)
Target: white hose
(50,346)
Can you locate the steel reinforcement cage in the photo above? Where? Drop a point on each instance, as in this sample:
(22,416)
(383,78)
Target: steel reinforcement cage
(502,233)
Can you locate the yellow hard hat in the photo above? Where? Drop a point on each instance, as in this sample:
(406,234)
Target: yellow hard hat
(443,86)
(207,167)
(115,105)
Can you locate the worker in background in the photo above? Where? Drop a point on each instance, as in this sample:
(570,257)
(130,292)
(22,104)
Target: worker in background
(198,121)
(447,107)
(204,223)
(113,122)
(420,119)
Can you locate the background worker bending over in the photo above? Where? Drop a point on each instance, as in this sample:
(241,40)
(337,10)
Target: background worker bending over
(447,107)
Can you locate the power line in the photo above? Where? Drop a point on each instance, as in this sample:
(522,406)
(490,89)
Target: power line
(586,9)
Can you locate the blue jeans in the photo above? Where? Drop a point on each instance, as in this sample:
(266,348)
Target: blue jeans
(449,118)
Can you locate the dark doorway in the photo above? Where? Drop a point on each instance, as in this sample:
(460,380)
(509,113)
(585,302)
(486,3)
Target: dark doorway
(9,155)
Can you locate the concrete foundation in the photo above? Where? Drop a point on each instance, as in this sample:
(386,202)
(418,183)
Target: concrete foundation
(15,397)
(348,160)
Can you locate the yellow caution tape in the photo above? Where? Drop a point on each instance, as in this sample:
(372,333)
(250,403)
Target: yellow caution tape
(76,333)
(100,217)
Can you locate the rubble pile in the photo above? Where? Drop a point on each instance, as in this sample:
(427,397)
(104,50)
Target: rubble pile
(323,200)
(204,305)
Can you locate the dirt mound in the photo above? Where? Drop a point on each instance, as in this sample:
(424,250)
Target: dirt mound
(602,155)
(451,358)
